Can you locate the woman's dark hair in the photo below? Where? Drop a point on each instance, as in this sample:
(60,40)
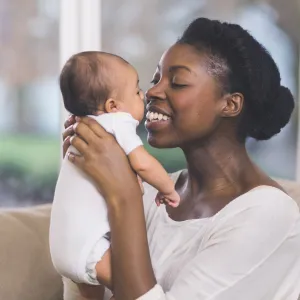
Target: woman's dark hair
(241,64)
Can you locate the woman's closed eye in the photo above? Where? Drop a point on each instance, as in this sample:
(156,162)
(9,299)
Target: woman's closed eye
(175,85)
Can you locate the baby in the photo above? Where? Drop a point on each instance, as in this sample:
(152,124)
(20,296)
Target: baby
(105,87)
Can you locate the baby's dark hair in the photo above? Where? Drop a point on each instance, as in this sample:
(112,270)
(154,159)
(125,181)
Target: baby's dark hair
(84,82)
(240,64)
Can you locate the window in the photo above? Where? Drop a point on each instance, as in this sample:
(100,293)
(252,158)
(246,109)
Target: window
(29,101)
(32,51)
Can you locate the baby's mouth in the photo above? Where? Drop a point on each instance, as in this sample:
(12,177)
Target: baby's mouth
(155,117)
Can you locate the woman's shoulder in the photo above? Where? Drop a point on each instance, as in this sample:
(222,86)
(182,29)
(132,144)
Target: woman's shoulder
(261,206)
(270,198)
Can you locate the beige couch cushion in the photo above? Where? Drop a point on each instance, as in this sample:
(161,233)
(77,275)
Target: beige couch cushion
(26,271)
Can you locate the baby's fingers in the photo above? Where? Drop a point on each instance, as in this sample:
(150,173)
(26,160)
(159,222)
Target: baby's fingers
(159,199)
(172,203)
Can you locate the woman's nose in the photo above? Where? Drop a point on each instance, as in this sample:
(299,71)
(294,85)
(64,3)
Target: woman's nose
(155,92)
(147,96)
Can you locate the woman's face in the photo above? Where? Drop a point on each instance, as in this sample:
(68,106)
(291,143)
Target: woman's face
(187,98)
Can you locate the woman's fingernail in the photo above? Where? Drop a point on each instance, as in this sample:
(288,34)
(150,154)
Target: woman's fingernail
(77,119)
(70,156)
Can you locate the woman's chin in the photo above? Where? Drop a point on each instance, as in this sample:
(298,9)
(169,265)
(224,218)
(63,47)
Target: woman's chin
(158,142)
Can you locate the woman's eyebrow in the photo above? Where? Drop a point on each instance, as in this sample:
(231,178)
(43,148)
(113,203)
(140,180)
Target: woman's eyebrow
(175,68)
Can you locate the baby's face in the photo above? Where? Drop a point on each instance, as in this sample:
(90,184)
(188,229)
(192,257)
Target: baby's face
(132,96)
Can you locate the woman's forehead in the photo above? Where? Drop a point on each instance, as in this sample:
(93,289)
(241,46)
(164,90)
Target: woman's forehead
(181,55)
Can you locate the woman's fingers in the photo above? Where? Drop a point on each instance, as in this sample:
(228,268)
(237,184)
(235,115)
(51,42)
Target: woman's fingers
(77,160)
(84,131)
(94,126)
(70,121)
(69,131)
(79,144)
(66,145)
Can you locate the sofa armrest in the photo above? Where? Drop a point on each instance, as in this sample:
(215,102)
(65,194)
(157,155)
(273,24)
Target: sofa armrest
(27,272)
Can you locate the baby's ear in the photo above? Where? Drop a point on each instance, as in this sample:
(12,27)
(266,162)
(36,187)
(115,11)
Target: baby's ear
(111,105)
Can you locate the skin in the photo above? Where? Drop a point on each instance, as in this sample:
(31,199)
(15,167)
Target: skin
(203,124)
(126,95)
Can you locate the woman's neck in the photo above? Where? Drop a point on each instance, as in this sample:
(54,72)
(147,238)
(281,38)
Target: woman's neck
(221,164)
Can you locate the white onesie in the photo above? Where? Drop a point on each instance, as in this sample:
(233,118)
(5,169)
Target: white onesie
(79,215)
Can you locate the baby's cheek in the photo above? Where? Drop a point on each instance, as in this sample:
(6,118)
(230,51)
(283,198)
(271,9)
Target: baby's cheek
(141,112)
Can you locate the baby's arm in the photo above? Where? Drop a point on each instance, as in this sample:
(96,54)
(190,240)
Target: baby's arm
(151,171)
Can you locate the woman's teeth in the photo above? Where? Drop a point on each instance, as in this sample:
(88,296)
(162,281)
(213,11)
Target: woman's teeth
(154,116)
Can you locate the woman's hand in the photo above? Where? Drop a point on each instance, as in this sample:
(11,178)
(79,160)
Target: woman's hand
(102,159)
(69,131)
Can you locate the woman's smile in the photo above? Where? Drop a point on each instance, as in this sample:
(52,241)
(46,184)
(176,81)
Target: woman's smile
(157,118)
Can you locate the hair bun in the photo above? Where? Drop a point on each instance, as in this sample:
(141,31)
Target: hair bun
(277,116)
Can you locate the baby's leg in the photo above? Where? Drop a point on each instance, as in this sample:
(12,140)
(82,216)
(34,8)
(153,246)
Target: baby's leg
(103,269)
(98,264)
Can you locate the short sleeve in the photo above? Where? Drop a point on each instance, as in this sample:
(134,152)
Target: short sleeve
(248,254)
(123,127)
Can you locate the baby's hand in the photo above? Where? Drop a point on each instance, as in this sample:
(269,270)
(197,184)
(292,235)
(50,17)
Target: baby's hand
(171,199)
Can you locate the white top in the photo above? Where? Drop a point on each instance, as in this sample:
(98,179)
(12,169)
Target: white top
(249,250)
(123,127)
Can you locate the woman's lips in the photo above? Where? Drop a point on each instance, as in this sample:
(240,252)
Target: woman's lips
(157,124)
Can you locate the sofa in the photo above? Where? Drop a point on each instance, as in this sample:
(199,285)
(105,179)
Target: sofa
(25,263)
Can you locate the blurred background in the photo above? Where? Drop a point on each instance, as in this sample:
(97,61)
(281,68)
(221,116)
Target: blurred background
(31,114)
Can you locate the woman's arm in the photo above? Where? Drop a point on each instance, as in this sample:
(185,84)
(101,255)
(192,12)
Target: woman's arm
(106,163)
(130,249)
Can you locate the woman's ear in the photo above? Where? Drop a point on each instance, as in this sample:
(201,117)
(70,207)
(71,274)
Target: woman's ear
(232,105)
(111,105)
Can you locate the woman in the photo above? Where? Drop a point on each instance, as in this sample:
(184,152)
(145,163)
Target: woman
(236,234)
